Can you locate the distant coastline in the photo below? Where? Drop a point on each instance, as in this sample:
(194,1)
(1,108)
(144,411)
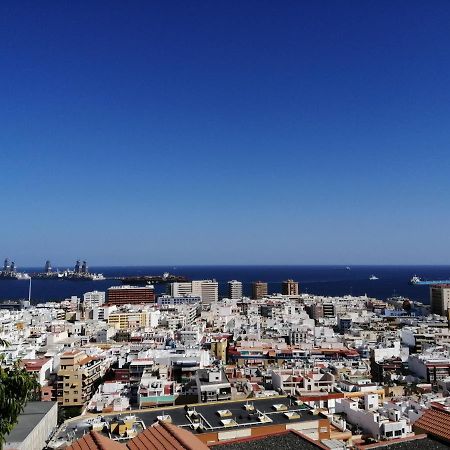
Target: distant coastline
(331,280)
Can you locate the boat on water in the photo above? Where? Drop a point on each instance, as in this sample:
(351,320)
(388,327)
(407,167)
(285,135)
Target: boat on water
(9,272)
(79,273)
(373,278)
(348,268)
(415,280)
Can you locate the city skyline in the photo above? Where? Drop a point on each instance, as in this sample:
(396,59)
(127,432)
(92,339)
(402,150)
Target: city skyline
(256,133)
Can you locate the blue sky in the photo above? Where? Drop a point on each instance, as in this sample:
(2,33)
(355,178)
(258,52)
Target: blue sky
(301,132)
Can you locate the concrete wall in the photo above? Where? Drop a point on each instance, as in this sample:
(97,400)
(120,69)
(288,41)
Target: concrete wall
(315,429)
(36,439)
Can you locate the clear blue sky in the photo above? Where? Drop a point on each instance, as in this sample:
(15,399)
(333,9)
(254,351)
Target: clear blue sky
(295,132)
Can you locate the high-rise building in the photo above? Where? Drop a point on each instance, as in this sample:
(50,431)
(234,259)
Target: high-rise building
(259,290)
(130,295)
(234,289)
(182,289)
(289,287)
(208,290)
(440,299)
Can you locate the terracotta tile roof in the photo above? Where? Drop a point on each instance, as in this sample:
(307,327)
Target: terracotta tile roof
(95,441)
(435,423)
(34,364)
(165,436)
(162,436)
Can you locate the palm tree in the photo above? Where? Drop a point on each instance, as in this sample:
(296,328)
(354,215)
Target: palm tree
(17,386)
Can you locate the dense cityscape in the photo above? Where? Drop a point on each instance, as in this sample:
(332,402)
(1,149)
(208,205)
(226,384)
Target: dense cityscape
(223,225)
(336,372)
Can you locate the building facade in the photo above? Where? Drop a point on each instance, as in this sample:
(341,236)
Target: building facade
(259,290)
(440,299)
(234,290)
(77,378)
(289,287)
(130,295)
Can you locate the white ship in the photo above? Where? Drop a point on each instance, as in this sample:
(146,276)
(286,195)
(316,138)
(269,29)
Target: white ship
(373,277)
(98,277)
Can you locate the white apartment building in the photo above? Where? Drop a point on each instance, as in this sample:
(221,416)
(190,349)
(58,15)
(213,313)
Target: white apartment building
(208,290)
(180,289)
(93,298)
(234,290)
(373,420)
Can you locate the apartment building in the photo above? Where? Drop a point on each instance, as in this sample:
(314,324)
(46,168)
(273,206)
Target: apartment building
(125,320)
(440,299)
(234,290)
(289,287)
(130,295)
(259,290)
(93,298)
(77,377)
(208,290)
(180,289)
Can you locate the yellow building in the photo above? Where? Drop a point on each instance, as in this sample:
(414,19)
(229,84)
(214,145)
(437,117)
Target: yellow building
(219,348)
(76,377)
(128,320)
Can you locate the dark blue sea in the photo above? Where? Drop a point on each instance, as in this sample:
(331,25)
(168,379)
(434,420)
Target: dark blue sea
(321,280)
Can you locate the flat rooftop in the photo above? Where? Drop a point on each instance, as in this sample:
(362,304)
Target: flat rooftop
(210,416)
(33,413)
(285,441)
(417,443)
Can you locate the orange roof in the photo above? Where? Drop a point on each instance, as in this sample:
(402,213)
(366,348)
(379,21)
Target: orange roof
(166,436)
(436,423)
(161,436)
(86,360)
(34,364)
(95,441)
(71,352)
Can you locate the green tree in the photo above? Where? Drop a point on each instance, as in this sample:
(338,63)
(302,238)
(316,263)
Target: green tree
(17,386)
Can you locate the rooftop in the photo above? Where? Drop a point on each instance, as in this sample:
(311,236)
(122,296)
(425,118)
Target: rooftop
(95,441)
(33,413)
(286,441)
(419,442)
(435,423)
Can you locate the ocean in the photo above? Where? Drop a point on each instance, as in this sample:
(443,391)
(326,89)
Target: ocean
(321,280)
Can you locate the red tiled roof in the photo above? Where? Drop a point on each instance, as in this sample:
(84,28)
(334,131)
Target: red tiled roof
(162,436)
(95,441)
(166,436)
(34,364)
(435,423)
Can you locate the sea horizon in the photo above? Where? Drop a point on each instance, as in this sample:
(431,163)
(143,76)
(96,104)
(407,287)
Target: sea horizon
(326,280)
